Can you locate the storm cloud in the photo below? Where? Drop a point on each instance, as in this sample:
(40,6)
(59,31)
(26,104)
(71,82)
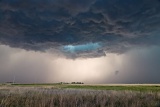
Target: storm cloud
(92,41)
(118,25)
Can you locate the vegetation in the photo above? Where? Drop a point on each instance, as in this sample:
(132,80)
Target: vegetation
(77,83)
(67,95)
(117,88)
(151,88)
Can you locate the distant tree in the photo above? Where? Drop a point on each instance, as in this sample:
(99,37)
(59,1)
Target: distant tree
(77,83)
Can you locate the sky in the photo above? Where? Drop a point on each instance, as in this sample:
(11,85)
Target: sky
(90,41)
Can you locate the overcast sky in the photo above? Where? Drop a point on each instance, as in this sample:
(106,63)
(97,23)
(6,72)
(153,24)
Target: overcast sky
(91,41)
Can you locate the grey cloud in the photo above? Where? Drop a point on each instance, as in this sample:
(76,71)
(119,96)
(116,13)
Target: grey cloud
(14,63)
(142,64)
(31,66)
(139,65)
(40,25)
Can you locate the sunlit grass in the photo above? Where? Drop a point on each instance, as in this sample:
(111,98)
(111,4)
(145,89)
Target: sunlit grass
(117,88)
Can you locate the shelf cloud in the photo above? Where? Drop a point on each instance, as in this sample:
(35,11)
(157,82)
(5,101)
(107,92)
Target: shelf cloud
(119,25)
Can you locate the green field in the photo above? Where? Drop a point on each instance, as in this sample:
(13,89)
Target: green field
(117,87)
(79,95)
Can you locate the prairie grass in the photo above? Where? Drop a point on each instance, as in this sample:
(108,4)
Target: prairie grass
(16,96)
(116,87)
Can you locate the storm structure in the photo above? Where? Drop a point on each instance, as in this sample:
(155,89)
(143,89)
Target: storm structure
(92,41)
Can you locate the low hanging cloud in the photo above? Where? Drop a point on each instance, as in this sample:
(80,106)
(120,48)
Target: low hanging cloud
(117,24)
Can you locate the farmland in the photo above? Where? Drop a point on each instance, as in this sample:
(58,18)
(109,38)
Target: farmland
(84,95)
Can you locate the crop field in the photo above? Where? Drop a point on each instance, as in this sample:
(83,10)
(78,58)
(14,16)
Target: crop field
(76,95)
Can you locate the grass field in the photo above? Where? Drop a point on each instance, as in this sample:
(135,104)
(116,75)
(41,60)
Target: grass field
(116,87)
(86,95)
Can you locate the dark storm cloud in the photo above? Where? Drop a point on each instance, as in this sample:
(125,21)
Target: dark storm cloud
(43,24)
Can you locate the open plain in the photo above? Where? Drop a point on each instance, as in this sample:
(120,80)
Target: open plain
(86,95)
